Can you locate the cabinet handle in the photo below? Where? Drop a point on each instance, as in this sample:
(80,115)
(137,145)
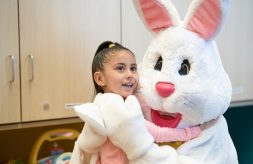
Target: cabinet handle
(12,68)
(32,67)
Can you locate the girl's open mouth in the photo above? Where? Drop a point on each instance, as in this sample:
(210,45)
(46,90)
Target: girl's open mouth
(128,85)
(163,119)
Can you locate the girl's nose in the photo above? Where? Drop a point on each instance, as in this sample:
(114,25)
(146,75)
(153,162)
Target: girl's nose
(165,89)
(129,73)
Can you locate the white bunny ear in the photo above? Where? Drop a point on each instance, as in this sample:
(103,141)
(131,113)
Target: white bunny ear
(206,17)
(157,14)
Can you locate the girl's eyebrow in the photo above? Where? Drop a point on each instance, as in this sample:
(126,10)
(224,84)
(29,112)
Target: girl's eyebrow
(120,64)
(124,64)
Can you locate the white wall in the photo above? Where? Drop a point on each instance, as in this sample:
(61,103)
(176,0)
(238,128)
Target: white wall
(234,43)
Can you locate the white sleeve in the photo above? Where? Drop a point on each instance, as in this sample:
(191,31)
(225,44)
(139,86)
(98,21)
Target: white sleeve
(77,156)
(89,141)
(93,134)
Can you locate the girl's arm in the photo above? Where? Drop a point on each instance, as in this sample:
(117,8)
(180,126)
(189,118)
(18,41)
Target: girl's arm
(162,134)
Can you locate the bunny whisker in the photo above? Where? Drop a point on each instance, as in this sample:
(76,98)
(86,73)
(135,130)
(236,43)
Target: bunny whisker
(192,93)
(188,105)
(191,102)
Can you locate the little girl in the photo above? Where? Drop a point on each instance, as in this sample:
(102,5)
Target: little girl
(114,70)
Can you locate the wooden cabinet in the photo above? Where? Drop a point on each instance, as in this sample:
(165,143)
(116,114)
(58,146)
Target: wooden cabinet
(234,43)
(58,39)
(9,63)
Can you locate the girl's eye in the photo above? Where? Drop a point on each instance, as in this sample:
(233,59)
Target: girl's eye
(159,64)
(134,69)
(185,68)
(120,68)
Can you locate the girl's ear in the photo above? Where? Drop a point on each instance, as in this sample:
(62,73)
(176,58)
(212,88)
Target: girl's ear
(99,78)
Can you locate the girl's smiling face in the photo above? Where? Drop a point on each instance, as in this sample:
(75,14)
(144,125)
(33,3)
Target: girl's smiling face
(119,75)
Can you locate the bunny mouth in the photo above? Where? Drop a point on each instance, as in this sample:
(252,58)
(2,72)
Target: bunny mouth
(162,119)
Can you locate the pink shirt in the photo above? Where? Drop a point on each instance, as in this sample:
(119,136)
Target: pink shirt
(110,154)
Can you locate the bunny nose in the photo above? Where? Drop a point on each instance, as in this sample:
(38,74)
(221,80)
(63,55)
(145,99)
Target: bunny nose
(164,89)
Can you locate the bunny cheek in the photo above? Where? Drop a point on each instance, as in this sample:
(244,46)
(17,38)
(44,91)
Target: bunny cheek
(167,120)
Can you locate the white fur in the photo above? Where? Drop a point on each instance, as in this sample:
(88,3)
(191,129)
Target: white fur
(201,97)
(203,94)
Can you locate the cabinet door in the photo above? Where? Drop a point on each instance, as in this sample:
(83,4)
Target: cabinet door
(9,63)
(58,39)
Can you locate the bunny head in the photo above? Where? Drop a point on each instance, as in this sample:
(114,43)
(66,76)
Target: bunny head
(182,80)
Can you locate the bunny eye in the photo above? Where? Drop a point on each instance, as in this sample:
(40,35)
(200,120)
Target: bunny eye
(159,64)
(185,68)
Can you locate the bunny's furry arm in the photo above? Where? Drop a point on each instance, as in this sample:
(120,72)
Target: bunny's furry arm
(88,142)
(90,139)
(128,130)
(93,134)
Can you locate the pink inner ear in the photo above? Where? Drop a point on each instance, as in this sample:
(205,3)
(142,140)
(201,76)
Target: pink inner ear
(155,15)
(206,20)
